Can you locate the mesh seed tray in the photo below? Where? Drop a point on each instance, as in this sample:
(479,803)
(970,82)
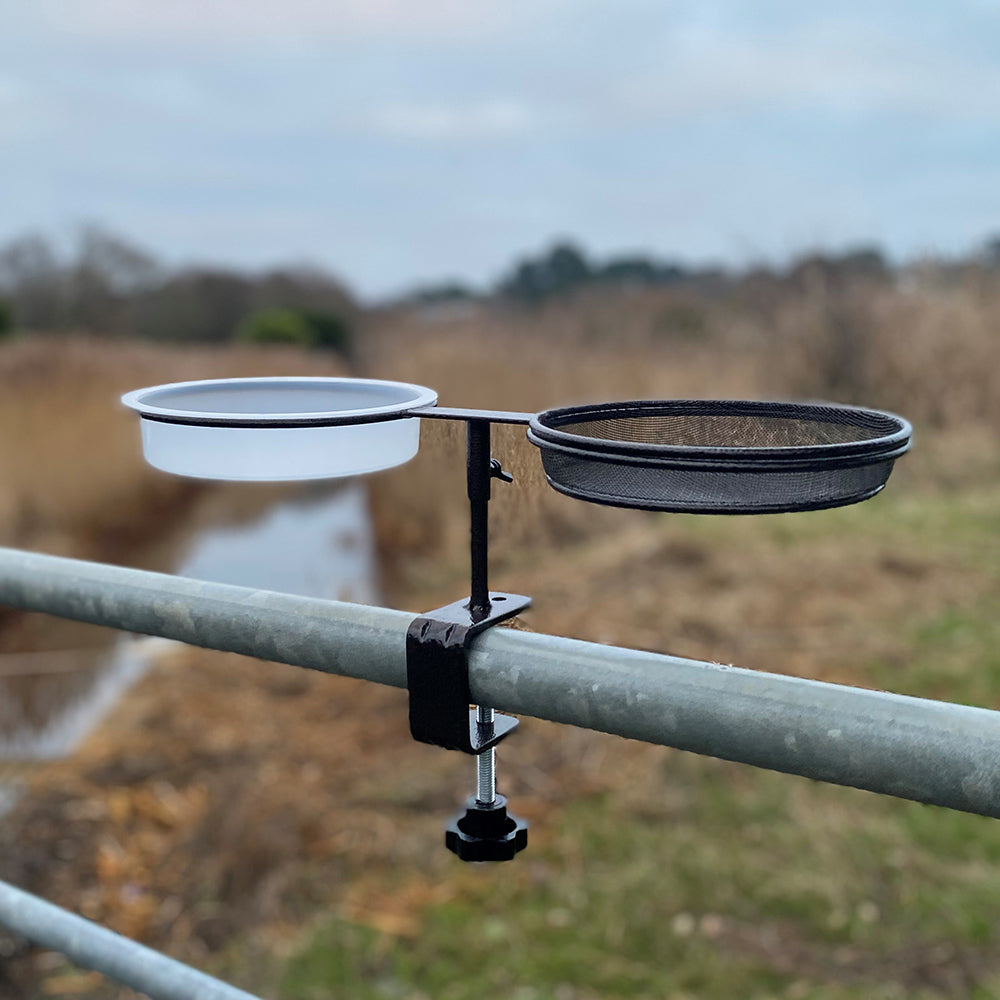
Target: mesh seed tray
(719,456)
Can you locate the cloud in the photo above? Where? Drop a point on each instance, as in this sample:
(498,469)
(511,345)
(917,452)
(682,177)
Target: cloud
(489,119)
(828,65)
(19,109)
(222,22)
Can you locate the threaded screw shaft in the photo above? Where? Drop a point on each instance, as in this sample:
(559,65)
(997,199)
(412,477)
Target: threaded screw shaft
(486,785)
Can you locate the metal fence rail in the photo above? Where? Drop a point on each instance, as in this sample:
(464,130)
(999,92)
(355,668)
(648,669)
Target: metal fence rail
(934,752)
(95,947)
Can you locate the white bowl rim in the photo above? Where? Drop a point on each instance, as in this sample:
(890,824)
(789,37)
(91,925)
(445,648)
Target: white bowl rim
(143,402)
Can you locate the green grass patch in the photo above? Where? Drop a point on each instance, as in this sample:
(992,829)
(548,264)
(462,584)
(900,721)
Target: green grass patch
(936,524)
(956,654)
(780,885)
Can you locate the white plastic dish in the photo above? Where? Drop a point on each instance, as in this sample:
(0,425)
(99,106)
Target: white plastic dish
(280,428)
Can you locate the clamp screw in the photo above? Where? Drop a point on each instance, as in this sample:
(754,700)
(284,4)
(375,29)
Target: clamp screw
(486,786)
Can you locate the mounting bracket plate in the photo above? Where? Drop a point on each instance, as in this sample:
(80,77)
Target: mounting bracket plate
(437,674)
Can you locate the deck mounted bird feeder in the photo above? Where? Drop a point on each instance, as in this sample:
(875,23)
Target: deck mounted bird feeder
(688,456)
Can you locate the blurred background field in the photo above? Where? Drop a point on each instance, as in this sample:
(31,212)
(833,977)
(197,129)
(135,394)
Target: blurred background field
(282,830)
(521,206)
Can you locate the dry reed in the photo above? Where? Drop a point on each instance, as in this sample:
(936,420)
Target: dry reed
(72,478)
(926,348)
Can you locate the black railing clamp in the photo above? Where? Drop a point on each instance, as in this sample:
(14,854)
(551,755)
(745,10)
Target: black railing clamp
(437,673)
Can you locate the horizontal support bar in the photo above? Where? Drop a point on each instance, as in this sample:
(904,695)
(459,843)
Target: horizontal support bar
(461,413)
(929,751)
(97,948)
(347,420)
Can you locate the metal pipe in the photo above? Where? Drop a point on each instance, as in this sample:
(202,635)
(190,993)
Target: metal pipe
(348,639)
(479,485)
(95,947)
(934,752)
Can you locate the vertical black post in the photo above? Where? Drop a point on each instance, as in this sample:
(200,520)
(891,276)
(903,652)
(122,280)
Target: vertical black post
(486,832)
(479,483)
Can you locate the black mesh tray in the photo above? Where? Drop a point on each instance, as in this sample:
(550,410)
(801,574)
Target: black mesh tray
(719,456)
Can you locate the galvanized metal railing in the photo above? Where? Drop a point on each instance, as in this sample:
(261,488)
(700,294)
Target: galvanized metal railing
(933,752)
(98,948)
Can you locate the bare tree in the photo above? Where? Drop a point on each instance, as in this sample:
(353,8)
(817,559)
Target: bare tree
(33,282)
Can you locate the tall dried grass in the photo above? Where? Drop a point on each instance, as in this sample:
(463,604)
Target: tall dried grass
(921,345)
(72,477)
(927,347)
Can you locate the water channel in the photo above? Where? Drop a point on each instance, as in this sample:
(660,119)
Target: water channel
(317,543)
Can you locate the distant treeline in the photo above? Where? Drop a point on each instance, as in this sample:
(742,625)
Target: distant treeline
(106,285)
(566,268)
(563,269)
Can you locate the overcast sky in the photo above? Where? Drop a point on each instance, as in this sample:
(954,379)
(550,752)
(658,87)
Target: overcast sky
(398,141)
